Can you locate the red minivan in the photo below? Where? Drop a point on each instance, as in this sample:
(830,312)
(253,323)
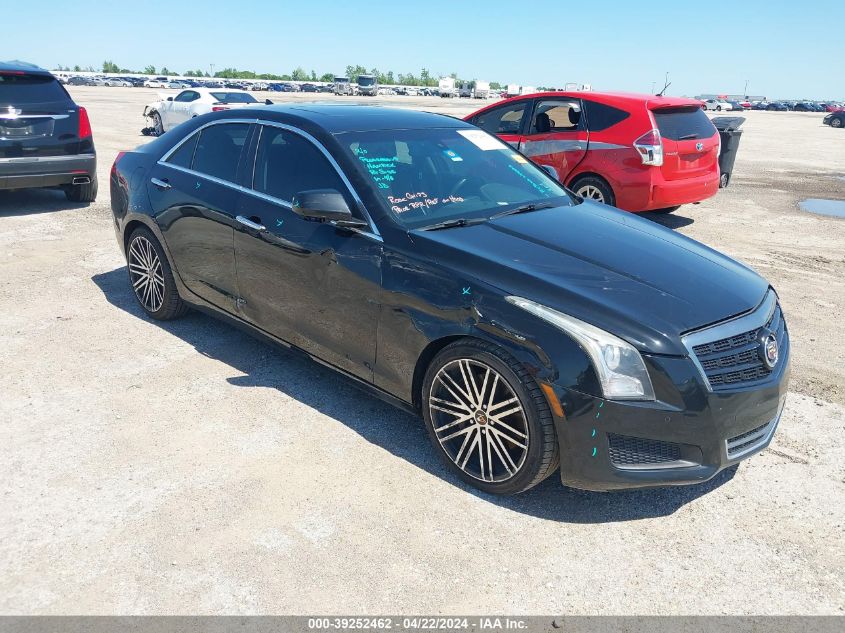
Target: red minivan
(636,152)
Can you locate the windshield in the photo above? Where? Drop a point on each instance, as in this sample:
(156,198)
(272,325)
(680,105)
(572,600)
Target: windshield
(366,81)
(341,80)
(234,97)
(434,175)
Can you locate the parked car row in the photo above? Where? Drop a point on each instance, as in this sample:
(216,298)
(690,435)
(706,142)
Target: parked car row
(438,263)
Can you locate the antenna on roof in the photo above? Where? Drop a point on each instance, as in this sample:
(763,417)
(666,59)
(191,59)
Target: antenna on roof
(665,85)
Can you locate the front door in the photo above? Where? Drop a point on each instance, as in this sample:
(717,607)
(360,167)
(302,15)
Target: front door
(195,200)
(309,283)
(179,109)
(556,135)
(505,121)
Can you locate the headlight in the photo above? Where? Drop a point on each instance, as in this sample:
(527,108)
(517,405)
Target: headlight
(620,367)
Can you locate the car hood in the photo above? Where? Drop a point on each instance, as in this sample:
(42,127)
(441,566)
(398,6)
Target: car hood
(624,274)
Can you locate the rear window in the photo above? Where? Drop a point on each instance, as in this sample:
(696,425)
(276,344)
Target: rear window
(26,89)
(601,116)
(683,124)
(219,150)
(233,97)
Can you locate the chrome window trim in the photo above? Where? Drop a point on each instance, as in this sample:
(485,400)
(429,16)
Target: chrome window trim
(757,318)
(11,117)
(373,233)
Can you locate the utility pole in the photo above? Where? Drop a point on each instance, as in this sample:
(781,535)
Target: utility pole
(653,83)
(212,69)
(746,89)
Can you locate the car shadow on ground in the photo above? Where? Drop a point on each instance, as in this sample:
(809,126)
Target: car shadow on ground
(33,201)
(403,435)
(669,220)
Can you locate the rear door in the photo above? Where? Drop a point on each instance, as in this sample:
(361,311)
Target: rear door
(690,142)
(556,135)
(195,196)
(506,121)
(38,118)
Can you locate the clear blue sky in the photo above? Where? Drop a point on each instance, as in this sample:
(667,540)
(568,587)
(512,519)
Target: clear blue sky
(788,49)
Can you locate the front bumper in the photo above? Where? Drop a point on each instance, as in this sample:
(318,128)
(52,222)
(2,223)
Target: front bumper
(694,432)
(46,171)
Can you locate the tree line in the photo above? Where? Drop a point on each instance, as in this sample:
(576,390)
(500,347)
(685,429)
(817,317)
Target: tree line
(424,78)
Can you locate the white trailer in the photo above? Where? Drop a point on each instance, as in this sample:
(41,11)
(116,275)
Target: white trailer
(482,90)
(513,90)
(446,87)
(527,90)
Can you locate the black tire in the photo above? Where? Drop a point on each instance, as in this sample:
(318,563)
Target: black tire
(590,184)
(172,306)
(82,193)
(158,124)
(542,456)
(724,180)
(836,121)
(667,209)
(718,108)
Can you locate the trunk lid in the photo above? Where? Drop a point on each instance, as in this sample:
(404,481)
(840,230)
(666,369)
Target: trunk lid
(37,117)
(690,141)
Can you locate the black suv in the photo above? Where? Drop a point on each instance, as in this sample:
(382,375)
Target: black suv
(45,138)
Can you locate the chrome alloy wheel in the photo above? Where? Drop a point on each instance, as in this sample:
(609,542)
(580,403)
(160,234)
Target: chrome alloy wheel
(589,192)
(478,420)
(146,274)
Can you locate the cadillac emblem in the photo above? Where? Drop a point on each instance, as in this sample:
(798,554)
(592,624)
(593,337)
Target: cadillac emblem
(768,349)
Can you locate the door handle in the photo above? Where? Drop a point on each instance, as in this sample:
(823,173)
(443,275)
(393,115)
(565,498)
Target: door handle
(161,184)
(255,226)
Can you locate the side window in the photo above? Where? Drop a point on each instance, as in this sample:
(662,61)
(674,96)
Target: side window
(504,120)
(183,156)
(219,150)
(556,115)
(601,116)
(184,97)
(287,163)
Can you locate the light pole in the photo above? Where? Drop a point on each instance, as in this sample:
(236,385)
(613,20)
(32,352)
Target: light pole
(653,83)
(746,89)
(212,69)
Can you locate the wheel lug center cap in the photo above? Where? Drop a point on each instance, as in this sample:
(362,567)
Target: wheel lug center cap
(481,418)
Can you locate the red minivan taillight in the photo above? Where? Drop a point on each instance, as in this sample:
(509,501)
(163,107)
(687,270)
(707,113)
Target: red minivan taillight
(84,123)
(650,148)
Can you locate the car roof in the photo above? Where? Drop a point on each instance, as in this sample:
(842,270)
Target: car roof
(17,66)
(336,118)
(619,98)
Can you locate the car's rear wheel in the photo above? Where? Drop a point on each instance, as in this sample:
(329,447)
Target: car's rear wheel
(594,188)
(151,278)
(836,122)
(488,418)
(82,193)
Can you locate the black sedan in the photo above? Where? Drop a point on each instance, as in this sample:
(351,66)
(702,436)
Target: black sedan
(835,119)
(439,268)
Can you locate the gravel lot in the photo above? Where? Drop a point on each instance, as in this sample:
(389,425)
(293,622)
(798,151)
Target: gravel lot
(187,468)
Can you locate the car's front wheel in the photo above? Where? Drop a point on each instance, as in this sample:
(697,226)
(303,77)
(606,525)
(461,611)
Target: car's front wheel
(488,418)
(151,278)
(158,124)
(836,122)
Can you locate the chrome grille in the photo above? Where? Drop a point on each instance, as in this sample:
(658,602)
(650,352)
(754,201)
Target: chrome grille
(734,361)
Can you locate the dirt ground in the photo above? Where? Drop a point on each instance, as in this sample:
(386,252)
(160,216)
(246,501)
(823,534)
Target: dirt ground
(184,467)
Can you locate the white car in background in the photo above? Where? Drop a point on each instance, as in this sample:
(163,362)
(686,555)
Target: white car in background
(171,110)
(157,82)
(717,104)
(116,81)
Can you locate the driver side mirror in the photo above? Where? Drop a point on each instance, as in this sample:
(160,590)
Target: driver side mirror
(325,205)
(170,98)
(268,102)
